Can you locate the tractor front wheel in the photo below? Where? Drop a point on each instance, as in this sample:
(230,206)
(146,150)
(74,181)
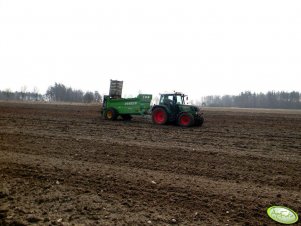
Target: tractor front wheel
(159,116)
(199,121)
(111,114)
(185,120)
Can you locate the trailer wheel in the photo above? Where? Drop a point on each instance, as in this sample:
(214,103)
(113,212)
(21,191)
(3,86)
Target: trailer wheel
(126,117)
(111,114)
(185,120)
(159,116)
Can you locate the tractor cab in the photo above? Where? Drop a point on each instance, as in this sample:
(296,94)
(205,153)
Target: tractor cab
(172,108)
(175,98)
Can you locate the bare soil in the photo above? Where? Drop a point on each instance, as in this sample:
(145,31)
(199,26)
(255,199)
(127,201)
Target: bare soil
(65,165)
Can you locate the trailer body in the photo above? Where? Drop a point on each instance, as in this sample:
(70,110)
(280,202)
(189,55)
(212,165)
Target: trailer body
(125,107)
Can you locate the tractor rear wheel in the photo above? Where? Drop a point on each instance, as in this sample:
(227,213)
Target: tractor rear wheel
(111,114)
(159,116)
(185,120)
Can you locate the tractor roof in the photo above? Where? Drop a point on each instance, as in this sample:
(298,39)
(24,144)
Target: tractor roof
(175,93)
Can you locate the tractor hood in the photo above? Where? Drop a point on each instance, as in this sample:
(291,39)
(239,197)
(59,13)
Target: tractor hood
(188,108)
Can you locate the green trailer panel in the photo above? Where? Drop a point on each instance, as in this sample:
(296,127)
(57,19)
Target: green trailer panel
(132,106)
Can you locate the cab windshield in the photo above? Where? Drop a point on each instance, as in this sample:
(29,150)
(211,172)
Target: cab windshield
(171,99)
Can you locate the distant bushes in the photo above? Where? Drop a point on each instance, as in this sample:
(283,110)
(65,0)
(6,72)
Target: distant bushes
(285,100)
(26,96)
(57,92)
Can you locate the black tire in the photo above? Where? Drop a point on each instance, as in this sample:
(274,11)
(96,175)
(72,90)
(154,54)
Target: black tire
(126,117)
(111,114)
(159,116)
(186,120)
(199,121)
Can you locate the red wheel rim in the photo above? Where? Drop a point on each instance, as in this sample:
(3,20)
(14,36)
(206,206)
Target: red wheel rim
(185,120)
(159,116)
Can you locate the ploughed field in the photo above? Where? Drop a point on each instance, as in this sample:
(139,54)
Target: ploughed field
(65,165)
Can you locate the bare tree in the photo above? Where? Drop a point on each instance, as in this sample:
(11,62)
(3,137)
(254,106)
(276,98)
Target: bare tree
(88,97)
(36,93)
(7,93)
(23,92)
(97,97)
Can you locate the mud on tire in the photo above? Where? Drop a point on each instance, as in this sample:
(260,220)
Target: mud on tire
(111,114)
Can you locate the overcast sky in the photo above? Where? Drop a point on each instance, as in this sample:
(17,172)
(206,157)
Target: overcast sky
(197,47)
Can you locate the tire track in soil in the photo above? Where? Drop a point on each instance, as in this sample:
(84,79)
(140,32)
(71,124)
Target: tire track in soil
(183,193)
(224,166)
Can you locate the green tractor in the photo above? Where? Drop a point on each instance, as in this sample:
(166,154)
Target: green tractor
(172,109)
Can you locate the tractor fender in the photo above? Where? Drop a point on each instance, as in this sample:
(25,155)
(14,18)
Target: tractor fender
(195,116)
(160,106)
(184,112)
(181,112)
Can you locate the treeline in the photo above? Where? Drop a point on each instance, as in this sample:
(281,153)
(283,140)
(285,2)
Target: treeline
(57,92)
(60,92)
(286,100)
(24,96)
